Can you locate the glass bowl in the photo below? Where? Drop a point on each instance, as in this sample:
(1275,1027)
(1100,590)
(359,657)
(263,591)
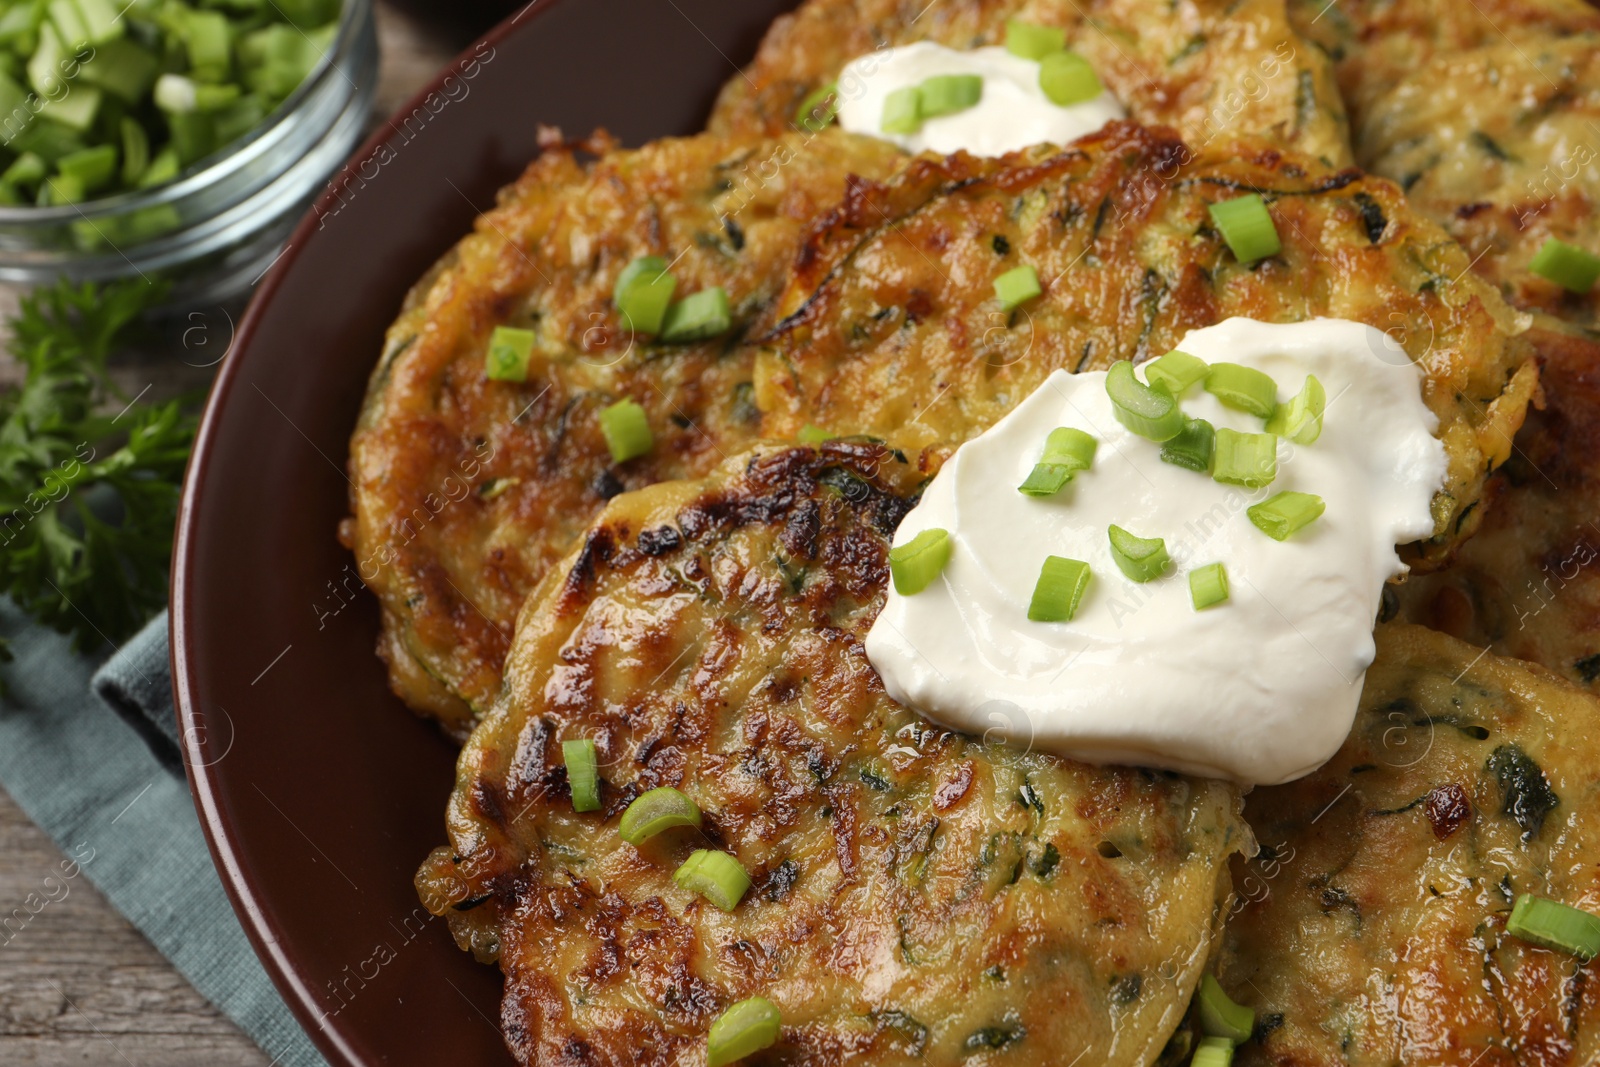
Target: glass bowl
(217,227)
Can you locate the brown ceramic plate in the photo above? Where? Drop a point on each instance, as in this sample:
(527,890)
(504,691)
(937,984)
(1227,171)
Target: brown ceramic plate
(320,793)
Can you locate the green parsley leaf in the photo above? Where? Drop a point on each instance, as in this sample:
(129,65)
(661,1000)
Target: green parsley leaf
(88,500)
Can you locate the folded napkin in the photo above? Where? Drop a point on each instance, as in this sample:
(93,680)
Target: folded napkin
(109,790)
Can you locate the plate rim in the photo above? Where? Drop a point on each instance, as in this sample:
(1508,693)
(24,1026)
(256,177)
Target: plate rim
(218,827)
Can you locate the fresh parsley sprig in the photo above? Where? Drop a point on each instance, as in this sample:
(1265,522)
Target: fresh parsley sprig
(88,499)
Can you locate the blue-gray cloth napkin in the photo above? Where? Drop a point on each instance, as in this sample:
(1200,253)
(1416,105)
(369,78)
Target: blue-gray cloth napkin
(109,789)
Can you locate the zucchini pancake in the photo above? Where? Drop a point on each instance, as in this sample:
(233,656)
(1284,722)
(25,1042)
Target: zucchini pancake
(1212,71)
(1371,928)
(1486,113)
(883,322)
(915,895)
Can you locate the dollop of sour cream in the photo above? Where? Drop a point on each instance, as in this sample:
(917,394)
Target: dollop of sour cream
(1013,113)
(1260,689)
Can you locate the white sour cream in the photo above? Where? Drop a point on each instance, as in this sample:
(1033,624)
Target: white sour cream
(1013,114)
(1261,689)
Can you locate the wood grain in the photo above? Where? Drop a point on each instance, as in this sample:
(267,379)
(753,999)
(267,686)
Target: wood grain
(79,985)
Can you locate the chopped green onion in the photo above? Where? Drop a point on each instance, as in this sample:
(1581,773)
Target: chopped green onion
(643,293)
(509,349)
(1247,227)
(1247,459)
(814,435)
(1191,449)
(1300,420)
(1213,1052)
(1032,41)
(818,110)
(1176,371)
(659,809)
(1219,1015)
(1059,590)
(747,1027)
(1281,515)
(1066,451)
(583,774)
(1567,265)
(915,564)
(698,316)
(946,94)
(76,110)
(627,430)
(27,169)
(1016,287)
(902,111)
(716,876)
(135,151)
(1148,411)
(123,69)
(1067,78)
(1140,558)
(91,167)
(1243,388)
(1553,925)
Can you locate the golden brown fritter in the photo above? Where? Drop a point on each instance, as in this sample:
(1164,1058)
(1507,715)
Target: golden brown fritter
(1371,928)
(890,327)
(887,326)
(919,896)
(1486,112)
(1528,583)
(464,489)
(1210,69)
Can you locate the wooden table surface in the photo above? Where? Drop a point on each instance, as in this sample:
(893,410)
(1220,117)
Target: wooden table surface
(80,985)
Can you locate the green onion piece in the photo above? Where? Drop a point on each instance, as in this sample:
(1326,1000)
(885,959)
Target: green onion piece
(626,430)
(1219,1015)
(135,151)
(122,68)
(716,876)
(1553,925)
(583,774)
(659,809)
(1176,371)
(1016,287)
(902,111)
(60,190)
(1300,420)
(1193,447)
(1059,590)
(1243,388)
(818,110)
(946,94)
(1140,558)
(1032,41)
(814,435)
(641,269)
(1213,1052)
(76,110)
(1281,515)
(28,169)
(1567,265)
(1066,451)
(644,299)
(91,167)
(1067,78)
(1148,411)
(915,564)
(205,36)
(1248,459)
(164,167)
(44,66)
(509,349)
(698,316)
(1247,227)
(748,1026)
